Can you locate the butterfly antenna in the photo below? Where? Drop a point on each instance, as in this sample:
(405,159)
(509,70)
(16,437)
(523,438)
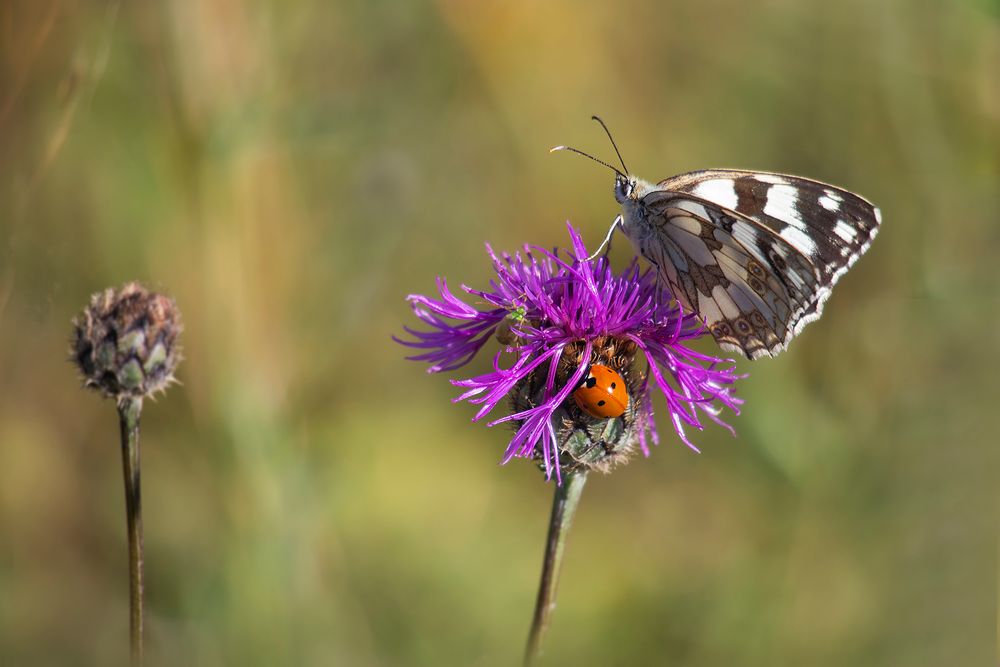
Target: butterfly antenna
(587,155)
(608,132)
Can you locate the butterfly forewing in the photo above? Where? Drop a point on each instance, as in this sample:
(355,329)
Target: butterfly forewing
(827,224)
(754,254)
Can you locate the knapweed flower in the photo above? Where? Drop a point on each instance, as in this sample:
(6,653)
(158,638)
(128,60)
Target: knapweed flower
(555,318)
(125,342)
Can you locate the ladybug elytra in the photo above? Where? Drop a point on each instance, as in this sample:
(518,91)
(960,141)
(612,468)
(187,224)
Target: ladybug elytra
(602,393)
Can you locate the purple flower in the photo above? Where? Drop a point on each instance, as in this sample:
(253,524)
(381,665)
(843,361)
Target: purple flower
(555,317)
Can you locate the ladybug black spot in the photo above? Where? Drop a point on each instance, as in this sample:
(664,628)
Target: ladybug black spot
(600,403)
(614,384)
(591,381)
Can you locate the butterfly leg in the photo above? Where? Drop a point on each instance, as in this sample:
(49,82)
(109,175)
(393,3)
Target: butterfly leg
(607,240)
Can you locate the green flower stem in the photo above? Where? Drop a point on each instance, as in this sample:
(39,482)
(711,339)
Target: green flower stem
(567,497)
(129,409)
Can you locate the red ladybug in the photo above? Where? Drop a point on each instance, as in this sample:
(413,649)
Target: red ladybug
(602,394)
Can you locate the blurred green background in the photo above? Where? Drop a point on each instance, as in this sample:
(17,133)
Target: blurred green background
(290,172)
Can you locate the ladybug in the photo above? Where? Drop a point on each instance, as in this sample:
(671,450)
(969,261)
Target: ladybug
(602,394)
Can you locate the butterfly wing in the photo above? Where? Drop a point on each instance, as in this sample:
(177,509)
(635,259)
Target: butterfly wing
(748,287)
(830,226)
(793,236)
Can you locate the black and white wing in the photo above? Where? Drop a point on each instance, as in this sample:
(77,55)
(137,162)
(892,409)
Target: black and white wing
(755,254)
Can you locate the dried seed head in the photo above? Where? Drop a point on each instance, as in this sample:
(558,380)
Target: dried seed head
(125,342)
(584,441)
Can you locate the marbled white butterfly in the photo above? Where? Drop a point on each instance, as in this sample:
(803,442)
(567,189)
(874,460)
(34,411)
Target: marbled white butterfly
(754,254)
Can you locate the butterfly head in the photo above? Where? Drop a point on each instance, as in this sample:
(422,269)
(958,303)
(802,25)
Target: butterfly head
(624,188)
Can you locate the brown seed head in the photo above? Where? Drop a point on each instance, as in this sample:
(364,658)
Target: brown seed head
(125,342)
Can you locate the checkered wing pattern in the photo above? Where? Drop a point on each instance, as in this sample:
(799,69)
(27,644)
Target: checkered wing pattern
(754,254)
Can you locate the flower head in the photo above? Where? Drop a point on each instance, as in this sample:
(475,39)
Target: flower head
(125,342)
(555,317)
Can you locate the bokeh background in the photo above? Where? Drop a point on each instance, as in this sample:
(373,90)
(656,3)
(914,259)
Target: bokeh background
(289,172)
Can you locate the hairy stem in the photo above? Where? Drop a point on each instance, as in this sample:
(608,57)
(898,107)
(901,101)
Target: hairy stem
(567,497)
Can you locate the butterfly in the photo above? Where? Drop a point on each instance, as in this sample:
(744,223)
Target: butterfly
(754,254)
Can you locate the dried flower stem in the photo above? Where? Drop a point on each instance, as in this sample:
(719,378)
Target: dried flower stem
(129,409)
(567,497)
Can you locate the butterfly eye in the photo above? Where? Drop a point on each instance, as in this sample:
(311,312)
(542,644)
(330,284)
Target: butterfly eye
(623,188)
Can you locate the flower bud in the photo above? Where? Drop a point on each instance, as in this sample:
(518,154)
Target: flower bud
(125,342)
